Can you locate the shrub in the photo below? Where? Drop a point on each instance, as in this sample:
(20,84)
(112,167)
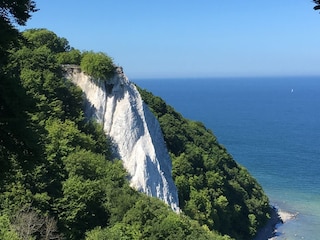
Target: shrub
(70,57)
(98,65)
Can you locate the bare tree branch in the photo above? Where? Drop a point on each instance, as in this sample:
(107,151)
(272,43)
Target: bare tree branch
(28,223)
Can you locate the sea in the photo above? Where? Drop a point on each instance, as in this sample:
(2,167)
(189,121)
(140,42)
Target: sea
(271,126)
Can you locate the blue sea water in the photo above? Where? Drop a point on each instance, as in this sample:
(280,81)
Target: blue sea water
(271,126)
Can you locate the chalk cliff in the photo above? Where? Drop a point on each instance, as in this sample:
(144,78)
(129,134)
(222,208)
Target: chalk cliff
(133,128)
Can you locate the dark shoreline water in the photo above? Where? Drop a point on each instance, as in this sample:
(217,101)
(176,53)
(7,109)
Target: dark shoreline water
(269,230)
(271,126)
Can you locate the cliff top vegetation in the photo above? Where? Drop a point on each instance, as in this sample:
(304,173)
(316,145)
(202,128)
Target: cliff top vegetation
(58,179)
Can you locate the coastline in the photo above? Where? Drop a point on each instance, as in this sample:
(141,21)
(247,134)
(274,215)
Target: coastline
(269,230)
(277,218)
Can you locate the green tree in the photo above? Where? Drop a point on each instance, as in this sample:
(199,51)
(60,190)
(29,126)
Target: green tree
(213,189)
(43,80)
(70,57)
(98,65)
(54,162)
(45,38)
(81,207)
(13,119)
(87,165)
(62,139)
(7,231)
(85,201)
(119,231)
(12,12)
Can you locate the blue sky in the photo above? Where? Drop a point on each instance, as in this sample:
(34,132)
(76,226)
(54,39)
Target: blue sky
(203,38)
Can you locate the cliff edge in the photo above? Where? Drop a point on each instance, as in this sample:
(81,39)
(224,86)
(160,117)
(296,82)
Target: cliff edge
(134,130)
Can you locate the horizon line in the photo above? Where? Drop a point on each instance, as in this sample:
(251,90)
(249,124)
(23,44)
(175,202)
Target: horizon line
(223,77)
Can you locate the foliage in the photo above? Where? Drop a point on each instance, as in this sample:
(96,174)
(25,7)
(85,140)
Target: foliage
(12,12)
(57,175)
(98,65)
(18,11)
(151,219)
(43,126)
(213,189)
(45,38)
(81,206)
(13,122)
(317,2)
(7,231)
(69,57)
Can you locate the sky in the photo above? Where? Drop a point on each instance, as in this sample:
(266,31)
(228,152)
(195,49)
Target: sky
(200,38)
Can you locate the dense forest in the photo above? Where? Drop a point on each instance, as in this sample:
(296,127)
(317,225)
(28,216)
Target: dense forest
(58,179)
(213,189)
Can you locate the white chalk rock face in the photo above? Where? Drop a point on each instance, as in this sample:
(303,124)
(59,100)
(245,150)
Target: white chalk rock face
(135,131)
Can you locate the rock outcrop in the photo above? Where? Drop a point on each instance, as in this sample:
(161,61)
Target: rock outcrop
(134,130)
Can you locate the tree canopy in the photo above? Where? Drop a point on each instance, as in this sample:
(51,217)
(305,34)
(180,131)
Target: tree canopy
(98,65)
(45,38)
(18,11)
(213,189)
(11,13)
(57,177)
